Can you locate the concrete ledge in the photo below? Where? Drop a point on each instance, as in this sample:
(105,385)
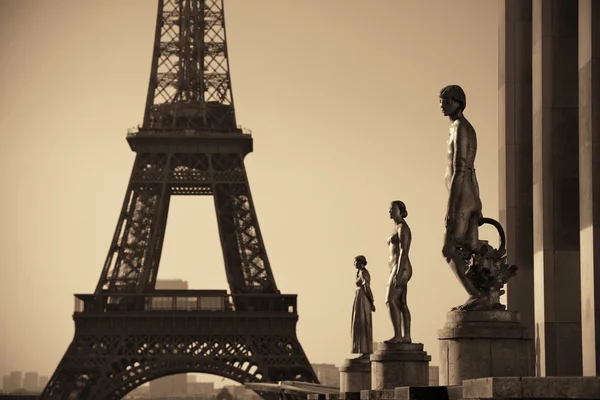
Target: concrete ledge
(383,394)
(455,392)
(560,387)
(343,396)
(421,393)
(489,388)
(350,396)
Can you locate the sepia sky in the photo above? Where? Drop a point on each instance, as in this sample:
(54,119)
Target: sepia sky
(342,100)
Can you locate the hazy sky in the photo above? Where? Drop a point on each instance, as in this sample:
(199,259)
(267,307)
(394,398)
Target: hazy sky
(341,97)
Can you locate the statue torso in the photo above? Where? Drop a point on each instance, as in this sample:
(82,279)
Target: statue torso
(394,246)
(465,159)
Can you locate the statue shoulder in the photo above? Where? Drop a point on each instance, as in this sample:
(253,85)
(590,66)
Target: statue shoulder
(404,233)
(365,274)
(464,128)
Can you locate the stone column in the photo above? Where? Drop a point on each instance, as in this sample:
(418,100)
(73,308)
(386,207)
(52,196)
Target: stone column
(556,187)
(589,181)
(515,150)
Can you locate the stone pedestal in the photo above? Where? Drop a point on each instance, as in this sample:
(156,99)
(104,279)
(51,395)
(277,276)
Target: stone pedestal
(399,364)
(478,344)
(355,375)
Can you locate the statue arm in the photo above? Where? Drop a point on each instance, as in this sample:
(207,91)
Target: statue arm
(367,287)
(405,241)
(369,294)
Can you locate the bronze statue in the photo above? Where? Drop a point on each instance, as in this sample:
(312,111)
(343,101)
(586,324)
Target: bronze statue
(400,274)
(364,305)
(481,269)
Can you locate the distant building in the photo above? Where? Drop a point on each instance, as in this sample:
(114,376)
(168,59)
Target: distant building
(42,382)
(30,381)
(201,388)
(328,374)
(173,385)
(16,380)
(6,383)
(434,375)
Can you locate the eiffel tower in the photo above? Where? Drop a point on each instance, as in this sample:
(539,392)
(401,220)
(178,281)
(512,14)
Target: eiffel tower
(128,333)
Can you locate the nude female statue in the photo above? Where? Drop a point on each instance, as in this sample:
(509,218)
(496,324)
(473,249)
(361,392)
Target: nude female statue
(400,274)
(362,322)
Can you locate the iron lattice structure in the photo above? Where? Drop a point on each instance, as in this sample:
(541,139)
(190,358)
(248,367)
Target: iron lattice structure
(128,333)
(246,338)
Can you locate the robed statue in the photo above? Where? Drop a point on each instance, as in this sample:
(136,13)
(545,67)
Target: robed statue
(364,306)
(481,269)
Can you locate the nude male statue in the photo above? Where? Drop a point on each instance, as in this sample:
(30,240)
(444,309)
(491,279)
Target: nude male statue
(463,215)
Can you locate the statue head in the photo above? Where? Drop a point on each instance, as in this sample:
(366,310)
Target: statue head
(398,210)
(452,100)
(360,261)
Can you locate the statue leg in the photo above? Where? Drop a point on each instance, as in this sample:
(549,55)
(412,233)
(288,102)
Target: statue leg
(459,267)
(406,319)
(472,234)
(461,235)
(392,302)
